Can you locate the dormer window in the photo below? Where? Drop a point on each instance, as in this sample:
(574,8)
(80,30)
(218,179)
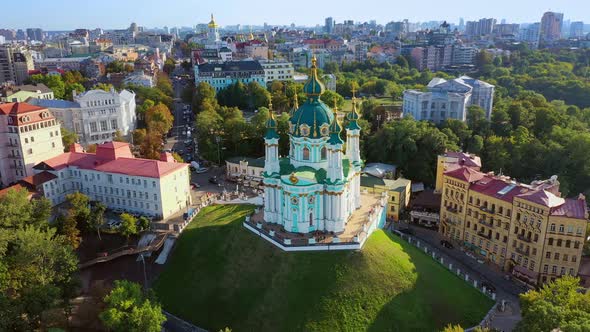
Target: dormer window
(304,130)
(324,130)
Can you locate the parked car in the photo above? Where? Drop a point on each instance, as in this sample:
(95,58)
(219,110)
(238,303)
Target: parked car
(446,244)
(213,180)
(488,285)
(203,170)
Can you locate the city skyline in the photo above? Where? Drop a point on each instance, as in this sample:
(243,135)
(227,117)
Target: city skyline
(177,13)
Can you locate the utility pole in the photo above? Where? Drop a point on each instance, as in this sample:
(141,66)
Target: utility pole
(144,273)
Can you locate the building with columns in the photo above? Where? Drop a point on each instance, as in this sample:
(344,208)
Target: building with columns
(317,187)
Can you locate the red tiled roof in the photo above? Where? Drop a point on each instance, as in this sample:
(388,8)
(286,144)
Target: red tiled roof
(465,174)
(493,187)
(38,179)
(542,197)
(17,186)
(465,158)
(108,159)
(572,208)
(18,108)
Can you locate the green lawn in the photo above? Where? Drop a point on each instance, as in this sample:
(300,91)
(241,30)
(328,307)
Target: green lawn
(220,274)
(381,101)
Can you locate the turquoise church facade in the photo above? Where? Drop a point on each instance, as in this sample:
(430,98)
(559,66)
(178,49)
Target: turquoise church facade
(317,187)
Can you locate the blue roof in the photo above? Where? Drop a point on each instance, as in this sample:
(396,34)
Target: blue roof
(53,103)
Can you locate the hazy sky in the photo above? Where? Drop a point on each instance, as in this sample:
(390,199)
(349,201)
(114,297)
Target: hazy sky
(107,14)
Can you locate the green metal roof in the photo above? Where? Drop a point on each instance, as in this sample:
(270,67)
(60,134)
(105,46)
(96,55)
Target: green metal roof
(315,114)
(398,185)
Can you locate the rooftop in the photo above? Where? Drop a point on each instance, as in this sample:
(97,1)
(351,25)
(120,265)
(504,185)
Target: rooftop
(112,157)
(247,65)
(467,174)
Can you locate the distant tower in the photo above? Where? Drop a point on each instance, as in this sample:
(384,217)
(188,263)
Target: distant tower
(213,31)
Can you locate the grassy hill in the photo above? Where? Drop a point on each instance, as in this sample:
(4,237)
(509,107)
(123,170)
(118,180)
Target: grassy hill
(222,275)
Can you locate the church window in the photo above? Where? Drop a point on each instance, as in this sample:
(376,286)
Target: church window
(311,199)
(305,153)
(324,130)
(324,153)
(304,129)
(294,200)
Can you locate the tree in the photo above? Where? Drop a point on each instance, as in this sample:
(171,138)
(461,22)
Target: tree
(143,223)
(68,138)
(159,119)
(79,207)
(70,88)
(169,66)
(558,305)
(177,157)
(130,310)
(39,270)
(96,219)
(328,97)
(69,229)
(16,210)
(91,148)
(103,86)
(119,136)
(128,225)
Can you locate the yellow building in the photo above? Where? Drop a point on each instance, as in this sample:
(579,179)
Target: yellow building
(453,160)
(527,229)
(398,191)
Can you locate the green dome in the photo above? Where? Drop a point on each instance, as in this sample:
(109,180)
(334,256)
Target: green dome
(313,88)
(271,126)
(335,130)
(313,113)
(353,117)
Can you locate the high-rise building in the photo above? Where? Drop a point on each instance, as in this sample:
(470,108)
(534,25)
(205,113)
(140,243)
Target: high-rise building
(483,27)
(576,29)
(7,65)
(329,25)
(528,230)
(35,34)
(530,34)
(551,24)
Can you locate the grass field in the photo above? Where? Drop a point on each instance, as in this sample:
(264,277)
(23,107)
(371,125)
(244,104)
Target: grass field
(221,275)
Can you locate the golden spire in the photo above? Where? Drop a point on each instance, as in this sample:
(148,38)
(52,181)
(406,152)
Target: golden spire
(212,24)
(296,101)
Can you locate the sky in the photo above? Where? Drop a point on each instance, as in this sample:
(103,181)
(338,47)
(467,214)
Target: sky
(115,14)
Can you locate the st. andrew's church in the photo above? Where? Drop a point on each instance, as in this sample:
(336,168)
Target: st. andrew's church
(317,188)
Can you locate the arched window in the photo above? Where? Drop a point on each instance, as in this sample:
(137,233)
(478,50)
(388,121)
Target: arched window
(324,153)
(305,153)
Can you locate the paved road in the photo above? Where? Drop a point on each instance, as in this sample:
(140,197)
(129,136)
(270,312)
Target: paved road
(505,289)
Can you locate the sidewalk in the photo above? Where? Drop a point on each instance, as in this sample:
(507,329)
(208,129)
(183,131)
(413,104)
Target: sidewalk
(505,289)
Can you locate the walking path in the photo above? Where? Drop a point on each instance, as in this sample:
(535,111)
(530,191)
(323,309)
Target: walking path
(505,289)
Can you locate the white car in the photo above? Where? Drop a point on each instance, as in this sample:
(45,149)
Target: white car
(202,170)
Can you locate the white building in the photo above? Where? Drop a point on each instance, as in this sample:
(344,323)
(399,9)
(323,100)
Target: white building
(96,115)
(116,178)
(60,63)
(140,79)
(449,99)
(277,70)
(28,135)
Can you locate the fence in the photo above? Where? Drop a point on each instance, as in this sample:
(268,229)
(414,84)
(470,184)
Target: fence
(456,270)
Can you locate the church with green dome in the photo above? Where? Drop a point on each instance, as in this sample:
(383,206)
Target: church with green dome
(317,187)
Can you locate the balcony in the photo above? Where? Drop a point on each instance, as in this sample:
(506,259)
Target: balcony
(16,167)
(522,251)
(485,209)
(449,221)
(484,235)
(10,156)
(451,209)
(14,145)
(524,238)
(486,223)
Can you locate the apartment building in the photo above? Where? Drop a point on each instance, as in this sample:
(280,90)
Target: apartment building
(222,75)
(28,135)
(96,115)
(277,70)
(15,63)
(527,229)
(113,176)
